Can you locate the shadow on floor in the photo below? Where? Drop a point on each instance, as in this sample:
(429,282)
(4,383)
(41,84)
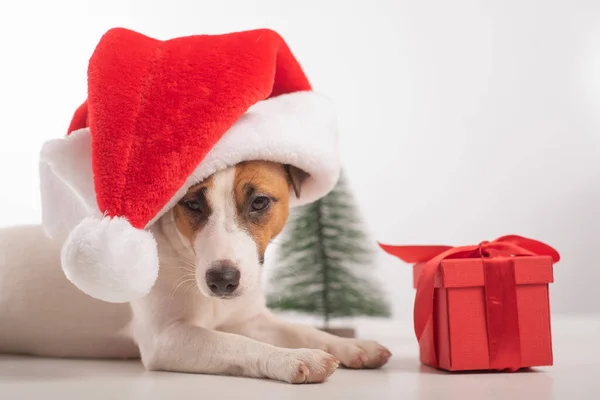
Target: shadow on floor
(15,368)
(413,365)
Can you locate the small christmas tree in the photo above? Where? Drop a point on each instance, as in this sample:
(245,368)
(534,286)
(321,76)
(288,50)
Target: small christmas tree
(324,260)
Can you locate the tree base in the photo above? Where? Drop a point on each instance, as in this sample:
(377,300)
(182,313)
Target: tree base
(341,332)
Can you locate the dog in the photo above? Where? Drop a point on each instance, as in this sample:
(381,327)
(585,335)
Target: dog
(206,313)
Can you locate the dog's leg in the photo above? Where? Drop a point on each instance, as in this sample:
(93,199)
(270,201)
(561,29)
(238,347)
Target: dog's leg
(183,347)
(352,353)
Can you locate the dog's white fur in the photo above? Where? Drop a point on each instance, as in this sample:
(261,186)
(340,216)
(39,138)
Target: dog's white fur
(222,238)
(178,326)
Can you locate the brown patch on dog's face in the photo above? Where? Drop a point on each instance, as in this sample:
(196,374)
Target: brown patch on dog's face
(262,200)
(253,195)
(193,210)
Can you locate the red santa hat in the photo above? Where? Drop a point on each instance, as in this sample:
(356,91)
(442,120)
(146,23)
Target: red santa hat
(161,116)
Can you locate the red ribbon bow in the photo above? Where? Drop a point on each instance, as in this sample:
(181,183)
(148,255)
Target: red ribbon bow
(432,256)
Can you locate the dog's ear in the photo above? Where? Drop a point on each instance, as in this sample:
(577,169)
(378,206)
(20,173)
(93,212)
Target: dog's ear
(296,178)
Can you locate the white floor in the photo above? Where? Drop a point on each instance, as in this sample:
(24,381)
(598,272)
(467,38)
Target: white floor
(575,375)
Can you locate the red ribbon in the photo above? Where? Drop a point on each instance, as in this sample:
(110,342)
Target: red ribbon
(499,284)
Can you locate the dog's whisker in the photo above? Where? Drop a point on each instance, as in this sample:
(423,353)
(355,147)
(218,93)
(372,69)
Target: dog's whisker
(189,271)
(179,285)
(181,260)
(184,262)
(189,287)
(183,245)
(182,279)
(186,276)
(187,268)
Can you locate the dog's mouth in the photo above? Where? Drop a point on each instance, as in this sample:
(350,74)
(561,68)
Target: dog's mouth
(206,291)
(226,296)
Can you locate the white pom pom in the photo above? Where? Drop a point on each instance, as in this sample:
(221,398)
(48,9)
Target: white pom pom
(110,260)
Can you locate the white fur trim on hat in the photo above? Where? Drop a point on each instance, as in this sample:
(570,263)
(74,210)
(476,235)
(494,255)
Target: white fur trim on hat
(67,183)
(110,260)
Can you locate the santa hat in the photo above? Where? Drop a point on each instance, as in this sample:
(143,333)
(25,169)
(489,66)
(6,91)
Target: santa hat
(161,116)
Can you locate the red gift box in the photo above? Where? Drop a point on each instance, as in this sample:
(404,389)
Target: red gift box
(482,307)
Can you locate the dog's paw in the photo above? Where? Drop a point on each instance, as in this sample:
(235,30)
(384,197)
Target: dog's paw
(302,366)
(356,353)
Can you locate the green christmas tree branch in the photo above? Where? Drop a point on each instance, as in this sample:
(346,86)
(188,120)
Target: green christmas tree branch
(325,260)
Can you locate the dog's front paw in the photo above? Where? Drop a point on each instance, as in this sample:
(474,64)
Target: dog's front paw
(302,366)
(356,353)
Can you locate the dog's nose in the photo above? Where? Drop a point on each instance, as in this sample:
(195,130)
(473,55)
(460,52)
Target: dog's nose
(223,278)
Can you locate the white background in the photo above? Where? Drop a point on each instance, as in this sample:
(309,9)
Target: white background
(461,120)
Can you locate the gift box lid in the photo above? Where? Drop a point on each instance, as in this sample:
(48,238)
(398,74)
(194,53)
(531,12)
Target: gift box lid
(468,272)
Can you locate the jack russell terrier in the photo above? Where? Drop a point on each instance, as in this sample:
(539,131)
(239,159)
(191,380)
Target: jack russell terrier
(206,313)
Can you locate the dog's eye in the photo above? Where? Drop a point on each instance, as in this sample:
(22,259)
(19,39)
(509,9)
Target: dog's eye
(193,205)
(260,203)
